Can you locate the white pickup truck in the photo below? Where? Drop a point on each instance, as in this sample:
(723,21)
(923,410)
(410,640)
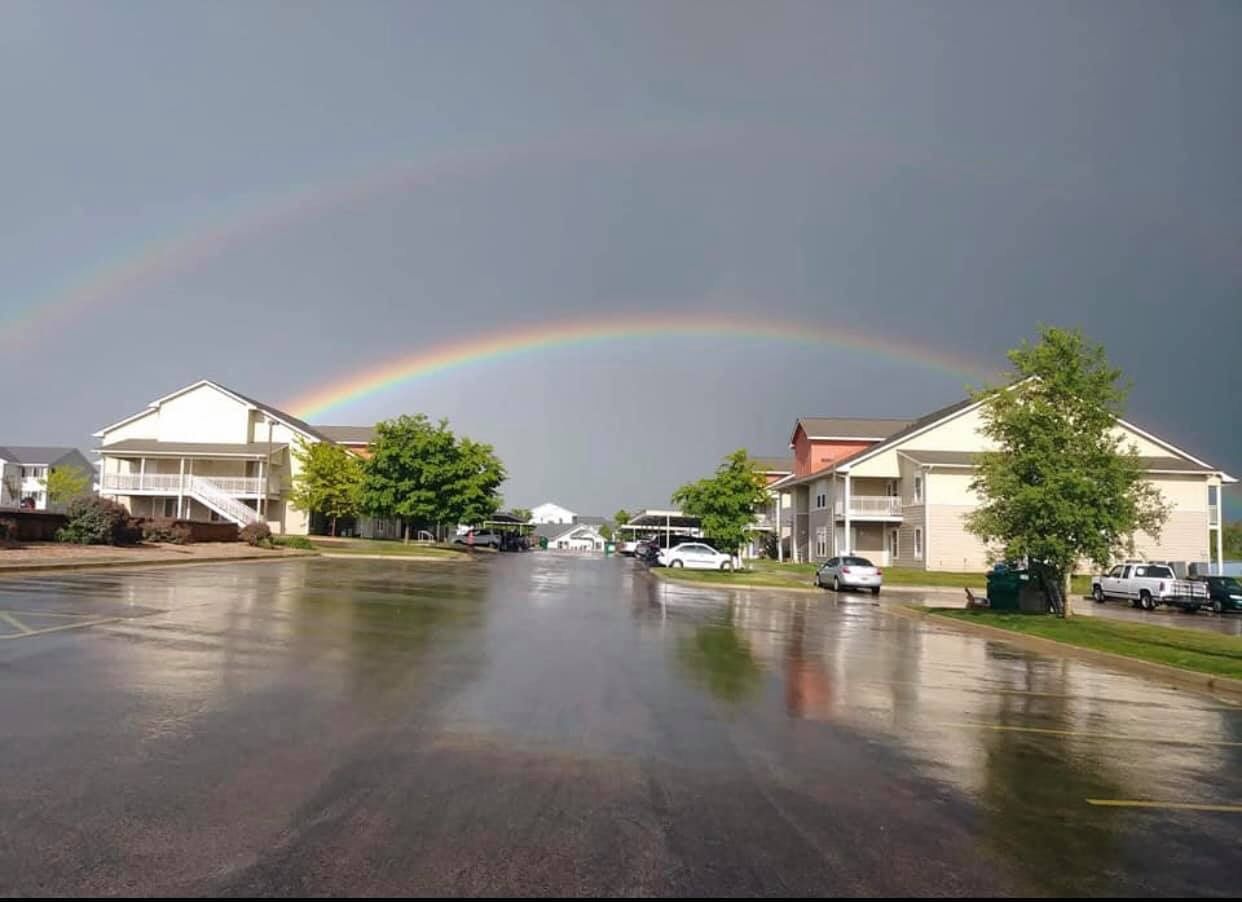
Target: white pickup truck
(1145,585)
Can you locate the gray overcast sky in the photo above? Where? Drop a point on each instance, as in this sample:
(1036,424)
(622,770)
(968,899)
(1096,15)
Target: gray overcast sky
(945,174)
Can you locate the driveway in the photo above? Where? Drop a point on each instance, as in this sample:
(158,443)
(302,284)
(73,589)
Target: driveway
(548,724)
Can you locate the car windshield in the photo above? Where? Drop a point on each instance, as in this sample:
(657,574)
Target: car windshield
(1229,582)
(856,562)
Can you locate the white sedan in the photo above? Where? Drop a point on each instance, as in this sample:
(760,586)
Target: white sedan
(695,556)
(850,572)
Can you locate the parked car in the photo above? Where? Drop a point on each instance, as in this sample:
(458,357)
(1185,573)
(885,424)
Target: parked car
(481,539)
(1224,592)
(850,572)
(1147,585)
(695,556)
(629,547)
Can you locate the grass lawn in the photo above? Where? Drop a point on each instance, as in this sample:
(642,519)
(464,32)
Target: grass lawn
(387,547)
(1190,649)
(909,576)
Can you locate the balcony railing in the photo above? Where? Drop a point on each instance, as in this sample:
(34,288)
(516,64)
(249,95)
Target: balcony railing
(871,506)
(172,483)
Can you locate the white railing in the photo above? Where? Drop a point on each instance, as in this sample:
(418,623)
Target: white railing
(171,483)
(871,506)
(206,491)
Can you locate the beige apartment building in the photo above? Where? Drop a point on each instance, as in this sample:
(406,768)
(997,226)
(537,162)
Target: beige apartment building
(897,491)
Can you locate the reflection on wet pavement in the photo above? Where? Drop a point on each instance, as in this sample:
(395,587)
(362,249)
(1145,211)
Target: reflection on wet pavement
(556,724)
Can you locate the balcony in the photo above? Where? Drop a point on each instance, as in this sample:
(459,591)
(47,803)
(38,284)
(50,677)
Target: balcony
(174,483)
(880,507)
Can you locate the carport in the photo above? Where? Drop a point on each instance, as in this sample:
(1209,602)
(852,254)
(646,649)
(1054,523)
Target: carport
(655,521)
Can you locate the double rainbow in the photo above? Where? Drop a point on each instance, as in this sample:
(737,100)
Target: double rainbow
(494,346)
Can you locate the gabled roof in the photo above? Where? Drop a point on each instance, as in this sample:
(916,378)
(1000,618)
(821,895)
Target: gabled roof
(773,464)
(858,428)
(348,435)
(275,413)
(554,531)
(35,454)
(967,459)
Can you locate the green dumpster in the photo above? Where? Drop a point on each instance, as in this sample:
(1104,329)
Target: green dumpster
(610,548)
(543,543)
(1005,589)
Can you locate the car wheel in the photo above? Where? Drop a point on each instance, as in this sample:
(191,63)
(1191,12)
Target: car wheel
(675,563)
(1218,606)
(836,584)
(875,590)
(1145,601)
(727,566)
(1192,609)
(1098,594)
(818,584)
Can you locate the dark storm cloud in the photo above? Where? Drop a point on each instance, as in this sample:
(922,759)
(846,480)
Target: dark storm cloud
(947,174)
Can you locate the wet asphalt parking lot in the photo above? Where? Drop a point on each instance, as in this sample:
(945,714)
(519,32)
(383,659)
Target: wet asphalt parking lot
(552,724)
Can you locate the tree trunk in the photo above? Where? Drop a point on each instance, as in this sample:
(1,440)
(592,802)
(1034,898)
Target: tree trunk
(1066,602)
(405,533)
(333,526)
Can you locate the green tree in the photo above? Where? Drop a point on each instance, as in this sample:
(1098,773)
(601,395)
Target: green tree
(63,484)
(419,471)
(473,493)
(522,513)
(329,481)
(621,517)
(606,531)
(1062,485)
(1231,541)
(725,502)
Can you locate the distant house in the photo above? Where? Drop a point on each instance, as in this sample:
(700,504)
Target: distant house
(552,513)
(24,471)
(584,535)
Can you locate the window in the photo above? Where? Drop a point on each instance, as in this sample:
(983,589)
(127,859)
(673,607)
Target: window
(821,541)
(834,562)
(918,489)
(894,544)
(891,488)
(1212,496)
(1125,573)
(918,543)
(1160,572)
(170,507)
(1116,571)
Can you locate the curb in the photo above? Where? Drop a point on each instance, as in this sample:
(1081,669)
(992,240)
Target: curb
(1178,675)
(423,558)
(662,573)
(19,569)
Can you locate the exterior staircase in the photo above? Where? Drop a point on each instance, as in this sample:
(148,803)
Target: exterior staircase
(206,492)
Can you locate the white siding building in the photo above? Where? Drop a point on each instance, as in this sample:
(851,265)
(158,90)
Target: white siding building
(552,513)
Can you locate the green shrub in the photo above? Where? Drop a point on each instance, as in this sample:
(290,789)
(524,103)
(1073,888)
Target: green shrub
(257,534)
(99,521)
(8,531)
(172,533)
(293,542)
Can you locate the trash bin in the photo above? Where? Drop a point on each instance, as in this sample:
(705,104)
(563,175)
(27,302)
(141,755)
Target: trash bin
(543,543)
(1005,589)
(610,548)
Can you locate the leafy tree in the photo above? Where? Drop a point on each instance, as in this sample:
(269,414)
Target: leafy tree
(476,475)
(329,481)
(419,471)
(726,501)
(98,521)
(606,531)
(621,517)
(1062,485)
(1232,541)
(522,513)
(63,484)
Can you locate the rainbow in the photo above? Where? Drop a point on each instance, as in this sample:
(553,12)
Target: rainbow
(116,279)
(501,345)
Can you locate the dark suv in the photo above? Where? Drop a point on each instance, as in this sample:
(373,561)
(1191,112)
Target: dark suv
(1225,592)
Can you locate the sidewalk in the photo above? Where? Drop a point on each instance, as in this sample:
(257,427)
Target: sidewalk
(42,556)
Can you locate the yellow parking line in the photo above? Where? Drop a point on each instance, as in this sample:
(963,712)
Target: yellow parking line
(1169,806)
(1089,735)
(15,623)
(56,629)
